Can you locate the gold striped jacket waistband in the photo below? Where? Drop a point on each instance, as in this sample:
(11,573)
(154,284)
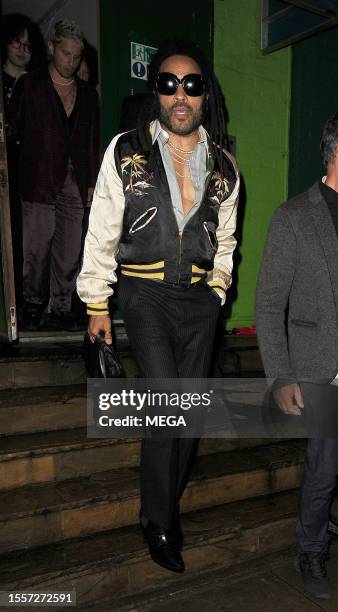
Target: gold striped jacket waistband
(155,271)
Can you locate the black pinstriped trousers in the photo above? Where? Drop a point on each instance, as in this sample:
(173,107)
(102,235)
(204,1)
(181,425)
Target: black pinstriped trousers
(171,331)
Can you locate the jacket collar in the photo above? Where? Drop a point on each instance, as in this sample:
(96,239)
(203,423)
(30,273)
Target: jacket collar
(327,234)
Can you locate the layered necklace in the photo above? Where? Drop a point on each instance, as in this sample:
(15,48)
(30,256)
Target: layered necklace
(182,157)
(67,95)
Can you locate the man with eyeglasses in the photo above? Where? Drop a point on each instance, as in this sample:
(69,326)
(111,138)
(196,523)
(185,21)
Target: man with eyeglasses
(22,50)
(18,56)
(55,116)
(164,211)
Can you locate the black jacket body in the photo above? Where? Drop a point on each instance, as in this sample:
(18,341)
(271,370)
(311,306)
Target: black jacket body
(48,139)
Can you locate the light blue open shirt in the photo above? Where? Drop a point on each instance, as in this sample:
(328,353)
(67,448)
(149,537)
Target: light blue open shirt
(198,166)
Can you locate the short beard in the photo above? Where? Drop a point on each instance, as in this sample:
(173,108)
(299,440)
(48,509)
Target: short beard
(196,119)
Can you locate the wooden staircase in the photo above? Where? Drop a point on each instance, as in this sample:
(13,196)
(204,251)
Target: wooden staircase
(69,505)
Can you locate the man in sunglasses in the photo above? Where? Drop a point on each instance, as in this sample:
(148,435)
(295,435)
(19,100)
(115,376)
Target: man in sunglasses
(164,211)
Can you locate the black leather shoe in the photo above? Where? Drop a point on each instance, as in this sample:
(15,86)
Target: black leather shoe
(163,547)
(312,566)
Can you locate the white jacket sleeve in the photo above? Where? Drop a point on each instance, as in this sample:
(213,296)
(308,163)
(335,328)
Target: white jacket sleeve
(103,236)
(221,275)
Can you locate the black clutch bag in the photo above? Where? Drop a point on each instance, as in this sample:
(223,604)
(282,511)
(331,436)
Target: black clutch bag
(100,359)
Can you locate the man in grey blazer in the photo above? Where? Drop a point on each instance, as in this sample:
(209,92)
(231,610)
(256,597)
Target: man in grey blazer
(296,315)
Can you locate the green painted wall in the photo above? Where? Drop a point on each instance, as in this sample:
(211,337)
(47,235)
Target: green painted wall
(314,100)
(257,95)
(257,92)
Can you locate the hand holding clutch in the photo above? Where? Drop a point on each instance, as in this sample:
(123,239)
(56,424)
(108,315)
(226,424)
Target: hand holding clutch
(100,358)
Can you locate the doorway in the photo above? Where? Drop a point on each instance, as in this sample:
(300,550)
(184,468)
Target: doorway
(125,35)
(43,13)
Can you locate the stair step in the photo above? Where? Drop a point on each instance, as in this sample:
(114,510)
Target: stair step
(60,455)
(117,564)
(61,370)
(238,356)
(42,409)
(265,583)
(52,361)
(39,409)
(55,358)
(37,515)
(54,456)
(42,373)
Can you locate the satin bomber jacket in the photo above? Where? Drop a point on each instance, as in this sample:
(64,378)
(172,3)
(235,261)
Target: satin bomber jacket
(132,225)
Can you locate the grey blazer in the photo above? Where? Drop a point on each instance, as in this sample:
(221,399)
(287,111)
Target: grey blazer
(297,292)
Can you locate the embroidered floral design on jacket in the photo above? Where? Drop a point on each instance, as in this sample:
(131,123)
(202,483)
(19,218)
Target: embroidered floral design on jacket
(221,186)
(139,178)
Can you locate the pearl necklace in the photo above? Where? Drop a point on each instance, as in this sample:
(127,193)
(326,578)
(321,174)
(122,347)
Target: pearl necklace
(63,84)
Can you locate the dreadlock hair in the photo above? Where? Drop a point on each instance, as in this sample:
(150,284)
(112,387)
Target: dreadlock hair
(214,119)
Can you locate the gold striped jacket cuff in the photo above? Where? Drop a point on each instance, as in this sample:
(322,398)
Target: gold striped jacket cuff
(220,284)
(98,309)
(220,292)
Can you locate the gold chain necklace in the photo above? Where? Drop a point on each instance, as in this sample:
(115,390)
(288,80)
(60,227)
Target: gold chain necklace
(172,146)
(184,176)
(185,162)
(179,158)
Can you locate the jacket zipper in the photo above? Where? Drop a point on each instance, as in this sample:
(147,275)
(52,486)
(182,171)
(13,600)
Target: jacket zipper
(180,236)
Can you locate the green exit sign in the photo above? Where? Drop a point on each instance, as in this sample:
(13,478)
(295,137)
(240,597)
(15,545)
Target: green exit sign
(140,57)
(142,53)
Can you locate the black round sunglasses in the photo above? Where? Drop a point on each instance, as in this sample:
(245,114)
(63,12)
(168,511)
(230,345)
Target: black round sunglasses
(168,83)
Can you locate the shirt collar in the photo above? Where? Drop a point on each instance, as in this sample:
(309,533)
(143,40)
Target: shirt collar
(158,133)
(327,186)
(329,194)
